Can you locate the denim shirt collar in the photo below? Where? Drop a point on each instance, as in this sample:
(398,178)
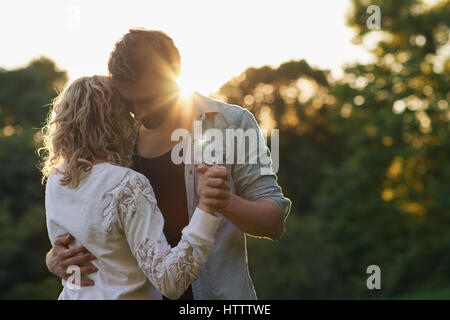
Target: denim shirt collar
(203,106)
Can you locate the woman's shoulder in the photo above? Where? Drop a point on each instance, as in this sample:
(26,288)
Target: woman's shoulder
(104,174)
(131,186)
(130,178)
(107,169)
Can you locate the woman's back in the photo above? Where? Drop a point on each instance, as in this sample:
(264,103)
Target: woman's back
(87,213)
(113,213)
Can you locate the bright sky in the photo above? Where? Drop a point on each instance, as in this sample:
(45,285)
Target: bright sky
(217,39)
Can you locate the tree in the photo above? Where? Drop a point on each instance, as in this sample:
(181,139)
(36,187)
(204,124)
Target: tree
(393,187)
(365,160)
(25,94)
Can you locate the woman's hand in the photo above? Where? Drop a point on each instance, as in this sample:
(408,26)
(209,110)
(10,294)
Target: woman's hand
(213,188)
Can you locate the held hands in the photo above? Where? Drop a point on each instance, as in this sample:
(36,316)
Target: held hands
(213,188)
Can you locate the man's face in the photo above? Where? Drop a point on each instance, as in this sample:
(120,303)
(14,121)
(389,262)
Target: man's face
(151,99)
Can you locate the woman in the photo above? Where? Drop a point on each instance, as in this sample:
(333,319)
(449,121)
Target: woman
(110,209)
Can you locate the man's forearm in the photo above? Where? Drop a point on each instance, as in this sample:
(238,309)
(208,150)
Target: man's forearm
(260,218)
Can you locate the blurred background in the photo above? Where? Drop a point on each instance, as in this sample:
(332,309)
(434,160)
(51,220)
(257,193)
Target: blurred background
(363,116)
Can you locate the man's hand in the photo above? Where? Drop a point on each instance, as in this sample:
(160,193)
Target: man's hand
(61,257)
(260,218)
(213,186)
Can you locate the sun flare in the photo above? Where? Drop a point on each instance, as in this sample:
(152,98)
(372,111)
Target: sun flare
(186,87)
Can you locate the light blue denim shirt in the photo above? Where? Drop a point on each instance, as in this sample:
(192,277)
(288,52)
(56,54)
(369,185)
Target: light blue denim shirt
(226,275)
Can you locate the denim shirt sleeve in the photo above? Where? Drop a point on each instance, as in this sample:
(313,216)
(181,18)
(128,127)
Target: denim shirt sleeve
(257,181)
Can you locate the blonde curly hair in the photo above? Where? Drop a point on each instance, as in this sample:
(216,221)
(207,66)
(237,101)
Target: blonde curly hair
(89,122)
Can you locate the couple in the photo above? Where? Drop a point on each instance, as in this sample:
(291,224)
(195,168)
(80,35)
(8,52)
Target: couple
(183,235)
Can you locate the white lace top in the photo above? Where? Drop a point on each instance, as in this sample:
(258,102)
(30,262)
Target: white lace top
(114,214)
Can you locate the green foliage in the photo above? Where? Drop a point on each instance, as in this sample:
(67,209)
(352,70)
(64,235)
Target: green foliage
(278,268)
(24,96)
(439,294)
(374,189)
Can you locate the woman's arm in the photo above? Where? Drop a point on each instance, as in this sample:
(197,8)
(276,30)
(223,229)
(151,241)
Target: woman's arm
(170,270)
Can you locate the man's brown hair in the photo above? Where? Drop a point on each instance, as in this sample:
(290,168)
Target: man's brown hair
(140,51)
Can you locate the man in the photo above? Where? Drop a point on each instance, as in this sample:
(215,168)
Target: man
(143,67)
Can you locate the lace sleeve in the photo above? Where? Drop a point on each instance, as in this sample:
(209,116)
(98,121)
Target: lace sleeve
(170,270)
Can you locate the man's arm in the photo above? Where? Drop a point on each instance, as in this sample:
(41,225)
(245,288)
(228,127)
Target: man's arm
(259,207)
(261,218)
(60,257)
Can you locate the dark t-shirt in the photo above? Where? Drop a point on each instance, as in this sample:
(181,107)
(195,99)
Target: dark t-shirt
(167,180)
